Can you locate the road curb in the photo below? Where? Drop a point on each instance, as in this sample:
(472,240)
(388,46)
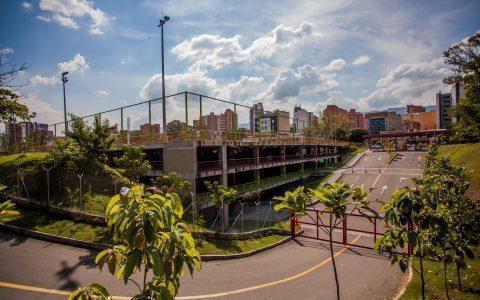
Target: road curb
(406,279)
(97,246)
(393,157)
(354,160)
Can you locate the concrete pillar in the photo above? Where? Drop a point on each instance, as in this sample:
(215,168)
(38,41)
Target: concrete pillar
(223,154)
(256,160)
(282,152)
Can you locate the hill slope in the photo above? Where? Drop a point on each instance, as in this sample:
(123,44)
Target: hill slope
(468,156)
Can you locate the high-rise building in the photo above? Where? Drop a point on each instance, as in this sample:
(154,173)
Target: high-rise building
(300,118)
(275,122)
(256,114)
(444,109)
(227,121)
(31,132)
(356,119)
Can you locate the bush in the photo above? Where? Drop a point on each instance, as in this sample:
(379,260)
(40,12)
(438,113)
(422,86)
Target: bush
(132,163)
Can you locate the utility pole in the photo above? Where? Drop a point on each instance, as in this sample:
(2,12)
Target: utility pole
(64,80)
(163,20)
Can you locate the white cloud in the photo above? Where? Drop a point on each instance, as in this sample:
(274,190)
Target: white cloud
(291,83)
(44,19)
(103,93)
(337,97)
(65,21)
(77,65)
(335,65)
(6,51)
(48,81)
(65,10)
(216,51)
(408,83)
(26,5)
(363,59)
(45,112)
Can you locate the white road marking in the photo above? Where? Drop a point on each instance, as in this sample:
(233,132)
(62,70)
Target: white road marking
(383,189)
(402,178)
(379,158)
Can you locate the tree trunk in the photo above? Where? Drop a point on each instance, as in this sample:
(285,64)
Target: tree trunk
(421,272)
(333,258)
(445,279)
(459,278)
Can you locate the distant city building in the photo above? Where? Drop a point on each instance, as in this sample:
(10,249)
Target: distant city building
(28,132)
(150,128)
(312,120)
(256,114)
(458,91)
(444,109)
(356,119)
(225,122)
(300,118)
(376,122)
(412,109)
(275,122)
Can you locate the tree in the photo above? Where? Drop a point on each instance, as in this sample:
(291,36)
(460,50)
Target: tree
(464,59)
(295,202)
(133,163)
(95,141)
(334,122)
(172,182)
(10,108)
(221,196)
(149,237)
(340,201)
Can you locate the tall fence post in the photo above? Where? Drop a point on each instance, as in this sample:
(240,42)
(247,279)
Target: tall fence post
(48,183)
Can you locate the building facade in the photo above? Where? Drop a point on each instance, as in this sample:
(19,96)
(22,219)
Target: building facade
(444,109)
(412,109)
(300,118)
(383,121)
(356,119)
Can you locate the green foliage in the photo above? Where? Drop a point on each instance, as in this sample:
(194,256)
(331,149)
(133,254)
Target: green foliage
(150,237)
(356,135)
(6,207)
(171,182)
(67,155)
(220,195)
(295,202)
(133,163)
(464,59)
(94,140)
(10,109)
(93,291)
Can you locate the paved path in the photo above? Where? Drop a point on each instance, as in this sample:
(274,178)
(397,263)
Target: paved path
(299,269)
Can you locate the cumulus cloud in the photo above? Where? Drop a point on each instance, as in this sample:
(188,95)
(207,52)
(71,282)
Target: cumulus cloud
(26,5)
(216,51)
(43,18)
(6,51)
(103,93)
(408,83)
(45,112)
(64,12)
(338,98)
(291,83)
(363,59)
(335,65)
(77,65)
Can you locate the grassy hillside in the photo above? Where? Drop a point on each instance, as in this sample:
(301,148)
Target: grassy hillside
(467,155)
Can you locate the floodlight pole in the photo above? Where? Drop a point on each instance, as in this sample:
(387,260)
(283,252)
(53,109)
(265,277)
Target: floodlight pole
(64,80)
(163,20)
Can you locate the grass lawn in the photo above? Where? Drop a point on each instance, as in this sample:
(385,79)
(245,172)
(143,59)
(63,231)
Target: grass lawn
(466,155)
(435,283)
(99,234)
(236,246)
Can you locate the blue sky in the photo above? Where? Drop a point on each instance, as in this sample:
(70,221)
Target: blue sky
(356,54)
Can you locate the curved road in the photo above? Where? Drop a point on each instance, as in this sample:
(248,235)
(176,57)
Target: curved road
(34,269)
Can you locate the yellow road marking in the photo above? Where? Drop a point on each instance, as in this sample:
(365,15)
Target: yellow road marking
(228,293)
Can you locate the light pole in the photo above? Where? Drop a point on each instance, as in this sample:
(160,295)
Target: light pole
(64,80)
(162,22)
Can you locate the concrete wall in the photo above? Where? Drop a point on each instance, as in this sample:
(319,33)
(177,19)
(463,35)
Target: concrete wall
(180,158)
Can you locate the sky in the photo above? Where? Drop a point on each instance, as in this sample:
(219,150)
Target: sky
(367,55)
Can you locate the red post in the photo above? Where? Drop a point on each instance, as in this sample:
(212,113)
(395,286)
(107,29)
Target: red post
(344,229)
(409,247)
(317,223)
(292,225)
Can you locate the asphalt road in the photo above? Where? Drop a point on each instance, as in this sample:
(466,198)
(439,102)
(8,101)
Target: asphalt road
(34,269)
